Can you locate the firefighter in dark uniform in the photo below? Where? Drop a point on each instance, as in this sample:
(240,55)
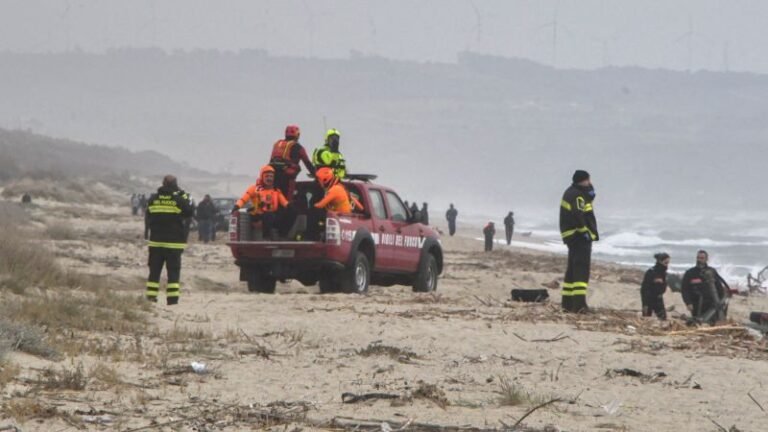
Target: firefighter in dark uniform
(654,286)
(578,227)
(705,291)
(164,227)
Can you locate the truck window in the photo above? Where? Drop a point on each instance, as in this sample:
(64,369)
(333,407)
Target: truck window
(396,207)
(377,202)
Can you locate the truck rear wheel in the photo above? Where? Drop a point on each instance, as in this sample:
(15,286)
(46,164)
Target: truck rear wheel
(258,282)
(426,278)
(357,278)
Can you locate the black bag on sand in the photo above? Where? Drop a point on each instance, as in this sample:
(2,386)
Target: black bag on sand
(530,295)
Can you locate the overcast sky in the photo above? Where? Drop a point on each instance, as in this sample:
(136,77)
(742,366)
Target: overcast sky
(701,34)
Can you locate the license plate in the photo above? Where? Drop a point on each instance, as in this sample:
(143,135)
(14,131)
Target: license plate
(283,253)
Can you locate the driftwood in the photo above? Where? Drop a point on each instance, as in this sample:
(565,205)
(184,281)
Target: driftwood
(707,330)
(532,410)
(348,423)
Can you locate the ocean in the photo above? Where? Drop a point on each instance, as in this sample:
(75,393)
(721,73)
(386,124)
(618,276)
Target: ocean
(737,243)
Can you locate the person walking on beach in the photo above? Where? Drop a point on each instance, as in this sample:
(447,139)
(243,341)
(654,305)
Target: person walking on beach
(451,216)
(578,228)
(509,226)
(654,286)
(489,231)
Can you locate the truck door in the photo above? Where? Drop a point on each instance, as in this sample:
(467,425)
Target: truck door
(406,250)
(384,232)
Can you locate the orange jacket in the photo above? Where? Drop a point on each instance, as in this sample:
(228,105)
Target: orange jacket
(263,200)
(338,199)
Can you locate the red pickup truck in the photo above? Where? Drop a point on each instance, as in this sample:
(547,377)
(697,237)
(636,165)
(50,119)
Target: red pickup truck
(380,245)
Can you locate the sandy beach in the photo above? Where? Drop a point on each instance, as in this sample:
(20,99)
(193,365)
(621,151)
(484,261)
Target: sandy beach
(465,355)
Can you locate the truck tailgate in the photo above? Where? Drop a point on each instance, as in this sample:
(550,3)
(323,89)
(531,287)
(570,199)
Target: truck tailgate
(277,250)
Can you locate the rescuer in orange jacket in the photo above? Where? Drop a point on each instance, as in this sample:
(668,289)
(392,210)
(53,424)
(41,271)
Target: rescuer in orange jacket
(266,200)
(336,198)
(285,158)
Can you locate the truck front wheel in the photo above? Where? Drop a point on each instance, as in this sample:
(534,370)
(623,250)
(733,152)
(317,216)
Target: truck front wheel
(258,282)
(426,279)
(357,278)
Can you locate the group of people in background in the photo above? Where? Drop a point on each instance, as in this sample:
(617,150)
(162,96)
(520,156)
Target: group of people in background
(138,204)
(489,231)
(272,198)
(705,293)
(418,214)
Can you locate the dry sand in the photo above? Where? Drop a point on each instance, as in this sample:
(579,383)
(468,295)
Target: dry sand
(449,353)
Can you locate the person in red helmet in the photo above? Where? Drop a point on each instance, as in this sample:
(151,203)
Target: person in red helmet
(336,198)
(286,155)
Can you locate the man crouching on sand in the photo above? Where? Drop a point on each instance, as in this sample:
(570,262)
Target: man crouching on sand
(164,227)
(578,227)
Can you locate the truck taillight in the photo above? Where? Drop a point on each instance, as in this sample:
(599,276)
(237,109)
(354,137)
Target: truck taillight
(233,224)
(332,231)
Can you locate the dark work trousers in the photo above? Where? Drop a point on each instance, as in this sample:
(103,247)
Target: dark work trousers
(577,274)
(653,304)
(510,230)
(268,230)
(488,243)
(451,227)
(171,259)
(205,230)
(284,181)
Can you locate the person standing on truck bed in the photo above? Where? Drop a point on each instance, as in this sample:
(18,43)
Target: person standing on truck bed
(578,228)
(266,201)
(328,155)
(336,197)
(286,155)
(164,227)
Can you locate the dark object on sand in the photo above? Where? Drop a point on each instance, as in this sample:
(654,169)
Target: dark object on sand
(530,295)
(350,398)
(759,317)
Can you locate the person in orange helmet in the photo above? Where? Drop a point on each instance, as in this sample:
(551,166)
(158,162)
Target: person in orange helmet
(285,158)
(266,200)
(336,198)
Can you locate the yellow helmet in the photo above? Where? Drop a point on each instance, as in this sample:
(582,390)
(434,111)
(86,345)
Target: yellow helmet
(330,132)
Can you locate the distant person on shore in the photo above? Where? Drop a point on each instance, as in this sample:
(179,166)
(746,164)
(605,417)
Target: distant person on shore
(578,228)
(206,215)
(704,291)
(489,231)
(415,213)
(424,214)
(143,203)
(135,204)
(26,199)
(509,226)
(451,216)
(164,221)
(654,286)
